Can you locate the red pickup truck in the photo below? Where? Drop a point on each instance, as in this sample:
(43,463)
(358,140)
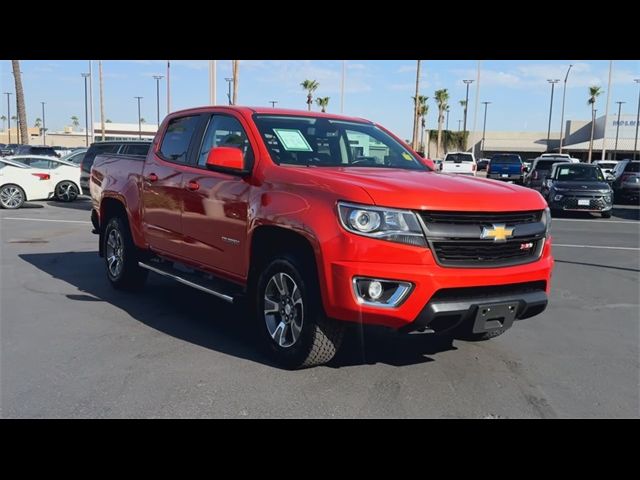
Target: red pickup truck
(316,220)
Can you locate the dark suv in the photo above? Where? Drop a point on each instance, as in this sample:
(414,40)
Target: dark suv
(626,183)
(36,150)
(98,148)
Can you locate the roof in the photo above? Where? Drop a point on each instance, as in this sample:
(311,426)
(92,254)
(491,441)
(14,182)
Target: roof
(44,157)
(9,161)
(274,111)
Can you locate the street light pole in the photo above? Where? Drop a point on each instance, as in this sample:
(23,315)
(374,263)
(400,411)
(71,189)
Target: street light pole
(44,126)
(158,78)
(615,148)
(139,117)
(8,114)
(635,143)
(229,80)
(466,103)
(484,126)
(273,103)
(564,93)
(553,84)
(86,111)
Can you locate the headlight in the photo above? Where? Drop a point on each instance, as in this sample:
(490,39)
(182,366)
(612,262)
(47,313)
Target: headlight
(557,198)
(389,224)
(546,218)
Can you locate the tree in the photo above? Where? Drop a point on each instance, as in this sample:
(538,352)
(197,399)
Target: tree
(441,98)
(323,103)
(22,113)
(234,67)
(423,109)
(75,121)
(310,86)
(4,119)
(142,120)
(38,123)
(108,121)
(594,92)
(414,139)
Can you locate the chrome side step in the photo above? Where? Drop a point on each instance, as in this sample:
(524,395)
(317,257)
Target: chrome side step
(189,283)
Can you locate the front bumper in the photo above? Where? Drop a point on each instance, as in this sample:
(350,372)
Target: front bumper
(572,203)
(427,279)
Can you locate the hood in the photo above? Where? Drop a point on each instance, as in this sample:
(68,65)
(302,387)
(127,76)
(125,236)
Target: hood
(581,186)
(431,190)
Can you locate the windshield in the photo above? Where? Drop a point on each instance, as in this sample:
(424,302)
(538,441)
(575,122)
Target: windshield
(578,173)
(322,142)
(458,157)
(506,159)
(606,165)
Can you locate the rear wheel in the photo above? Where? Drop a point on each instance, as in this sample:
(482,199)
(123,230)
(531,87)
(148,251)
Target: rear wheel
(121,256)
(66,191)
(11,197)
(290,318)
(605,214)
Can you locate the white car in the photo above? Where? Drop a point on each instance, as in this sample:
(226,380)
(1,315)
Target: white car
(19,183)
(459,162)
(63,176)
(607,166)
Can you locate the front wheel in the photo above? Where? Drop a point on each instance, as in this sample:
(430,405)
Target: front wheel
(121,257)
(290,317)
(11,197)
(66,191)
(605,214)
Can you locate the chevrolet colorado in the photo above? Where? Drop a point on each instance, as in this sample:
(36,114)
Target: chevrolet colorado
(317,220)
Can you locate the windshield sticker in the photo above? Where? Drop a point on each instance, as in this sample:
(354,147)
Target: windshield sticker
(292,140)
(564,171)
(406,156)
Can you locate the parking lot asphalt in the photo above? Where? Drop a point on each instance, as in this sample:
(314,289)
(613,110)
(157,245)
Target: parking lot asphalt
(71,346)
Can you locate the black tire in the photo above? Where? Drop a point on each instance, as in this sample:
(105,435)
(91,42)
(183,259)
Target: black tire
(605,214)
(66,191)
(319,338)
(129,276)
(12,196)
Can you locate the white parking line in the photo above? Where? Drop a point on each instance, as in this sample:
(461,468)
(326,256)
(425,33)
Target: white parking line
(593,246)
(43,220)
(590,220)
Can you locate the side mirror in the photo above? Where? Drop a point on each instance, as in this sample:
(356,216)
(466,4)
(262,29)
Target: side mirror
(226,158)
(429,163)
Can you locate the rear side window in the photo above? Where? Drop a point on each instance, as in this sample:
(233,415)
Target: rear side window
(136,149)
(459,157)
(177,138)
(632,167)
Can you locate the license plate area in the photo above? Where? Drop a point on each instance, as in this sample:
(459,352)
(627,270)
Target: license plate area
(584,201)
(491,316)
(505,175)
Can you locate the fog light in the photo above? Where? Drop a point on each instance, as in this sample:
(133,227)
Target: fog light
(380,293)
(375,290)
(557,198)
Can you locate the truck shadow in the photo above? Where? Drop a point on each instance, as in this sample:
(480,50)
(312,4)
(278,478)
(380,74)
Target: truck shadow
(203,320)
(80,203)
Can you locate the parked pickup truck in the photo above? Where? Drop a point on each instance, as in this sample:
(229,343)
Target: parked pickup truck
(506,166)
(315,221)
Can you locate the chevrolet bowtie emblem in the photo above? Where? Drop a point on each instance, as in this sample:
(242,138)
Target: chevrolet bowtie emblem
(499,233)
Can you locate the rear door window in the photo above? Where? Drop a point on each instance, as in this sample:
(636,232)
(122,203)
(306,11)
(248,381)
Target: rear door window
(177,139)
(136,149)
(632,167)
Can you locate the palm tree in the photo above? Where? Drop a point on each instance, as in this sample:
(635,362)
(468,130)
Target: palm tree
(423,109)
(441,98)
(4,119)
(310,86)
(416,107)
(235,72)
(142,120)
(108,121)
(38,123)
(22,113)
(323,103)
(75,121)
(594,92)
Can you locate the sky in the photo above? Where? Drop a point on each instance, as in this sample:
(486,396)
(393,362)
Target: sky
(379,90)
